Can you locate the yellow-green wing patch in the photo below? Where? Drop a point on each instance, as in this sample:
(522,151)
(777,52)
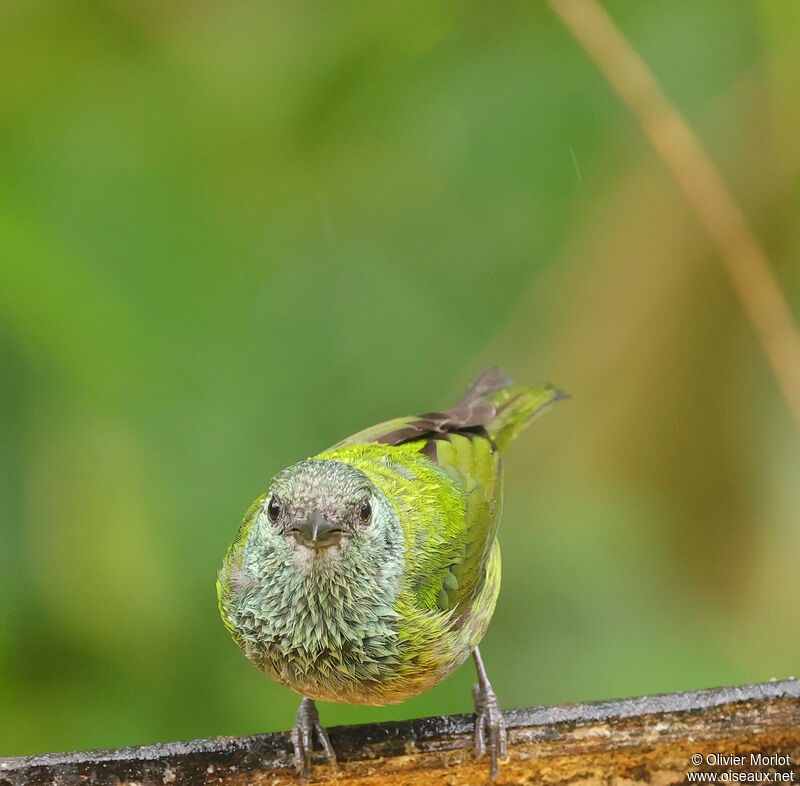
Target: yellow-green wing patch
(473,463)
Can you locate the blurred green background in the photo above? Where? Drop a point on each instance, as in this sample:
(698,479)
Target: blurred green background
(232,233)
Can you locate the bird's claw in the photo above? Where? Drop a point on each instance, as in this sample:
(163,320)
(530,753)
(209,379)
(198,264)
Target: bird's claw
(306,724)
(489,720)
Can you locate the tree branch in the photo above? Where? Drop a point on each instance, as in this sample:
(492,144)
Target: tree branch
(650,739)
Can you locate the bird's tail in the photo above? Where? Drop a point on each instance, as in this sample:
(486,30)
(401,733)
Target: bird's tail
(515,406)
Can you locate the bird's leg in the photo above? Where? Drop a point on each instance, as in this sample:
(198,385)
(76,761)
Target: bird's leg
(489,719)
(306,723)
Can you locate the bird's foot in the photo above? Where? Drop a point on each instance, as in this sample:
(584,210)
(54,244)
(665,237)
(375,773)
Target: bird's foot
(305,725)
(489,723)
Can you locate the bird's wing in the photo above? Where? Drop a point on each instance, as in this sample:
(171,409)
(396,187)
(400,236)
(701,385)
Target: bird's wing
(492,405)
(474,410)
(473,463)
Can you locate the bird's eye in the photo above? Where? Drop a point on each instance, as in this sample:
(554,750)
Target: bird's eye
(274,509)
(365,512)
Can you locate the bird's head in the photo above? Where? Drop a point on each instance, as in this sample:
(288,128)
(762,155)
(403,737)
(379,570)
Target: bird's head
(320,504)
(318,513)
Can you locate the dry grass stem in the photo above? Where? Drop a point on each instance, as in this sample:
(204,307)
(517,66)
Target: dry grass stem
(743,258)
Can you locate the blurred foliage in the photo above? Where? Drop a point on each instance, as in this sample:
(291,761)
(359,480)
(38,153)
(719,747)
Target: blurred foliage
(231,234)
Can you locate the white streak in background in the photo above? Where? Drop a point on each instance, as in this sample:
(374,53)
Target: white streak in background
(575,164)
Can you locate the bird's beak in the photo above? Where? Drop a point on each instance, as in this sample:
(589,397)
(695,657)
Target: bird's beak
(316,531)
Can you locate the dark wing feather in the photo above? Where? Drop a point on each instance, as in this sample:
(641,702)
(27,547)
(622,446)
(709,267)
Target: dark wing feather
(473,413)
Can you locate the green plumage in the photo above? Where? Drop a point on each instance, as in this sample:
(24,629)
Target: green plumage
(401,599)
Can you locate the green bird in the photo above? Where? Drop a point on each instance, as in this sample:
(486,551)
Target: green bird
(369,573)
